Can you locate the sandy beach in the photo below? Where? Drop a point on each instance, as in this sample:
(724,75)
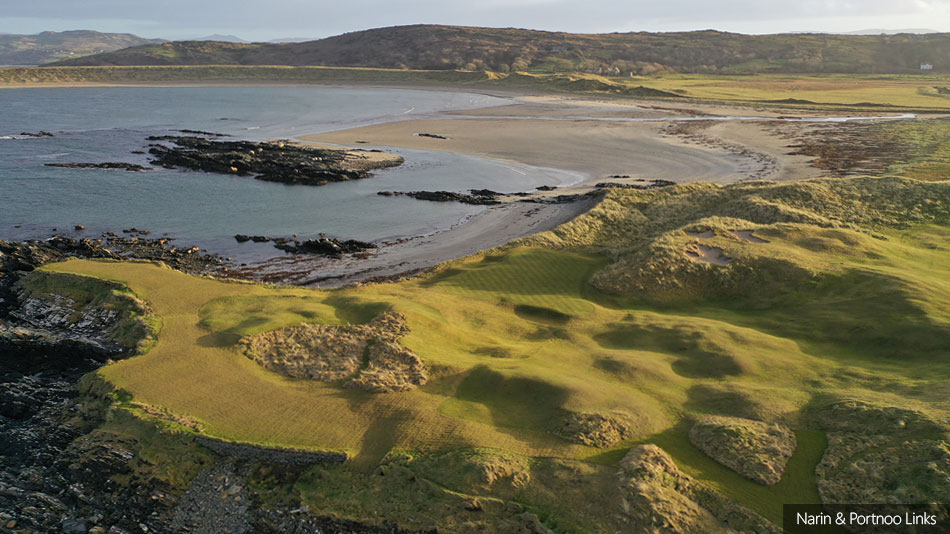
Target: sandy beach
(593,137)
(597,138)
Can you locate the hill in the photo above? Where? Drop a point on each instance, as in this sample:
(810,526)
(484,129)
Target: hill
(509,49)
(55,46)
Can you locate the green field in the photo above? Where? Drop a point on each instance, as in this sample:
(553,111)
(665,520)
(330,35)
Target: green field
(864,93)
(845,296)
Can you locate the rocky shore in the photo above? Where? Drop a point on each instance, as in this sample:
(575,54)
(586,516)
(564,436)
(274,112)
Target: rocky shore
(281,161)
(63,465)
(322,246)
(118,165)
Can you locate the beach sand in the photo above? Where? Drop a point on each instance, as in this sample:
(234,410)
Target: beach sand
(544,130)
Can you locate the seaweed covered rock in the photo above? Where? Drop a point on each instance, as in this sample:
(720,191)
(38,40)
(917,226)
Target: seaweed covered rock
(282,162)
(595,430)
(756,450)
(360,356)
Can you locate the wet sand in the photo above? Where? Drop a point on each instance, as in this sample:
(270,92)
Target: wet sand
(545,130)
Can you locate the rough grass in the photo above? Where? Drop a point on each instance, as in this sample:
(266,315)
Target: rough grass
(849,297)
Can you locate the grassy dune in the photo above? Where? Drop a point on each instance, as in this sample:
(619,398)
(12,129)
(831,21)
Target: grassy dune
(843,294)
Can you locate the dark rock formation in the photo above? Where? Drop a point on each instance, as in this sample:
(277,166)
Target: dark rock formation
(202,133)
(118,165)
(481,197)
(546,188)
(560,199)
(432,135)
(650,184)
(273,162)
(324,246)
(41,133)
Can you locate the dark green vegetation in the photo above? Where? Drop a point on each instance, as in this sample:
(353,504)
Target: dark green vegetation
(431,47)
(47,47)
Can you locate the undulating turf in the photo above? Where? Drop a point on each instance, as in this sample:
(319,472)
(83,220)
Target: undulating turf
(841,297)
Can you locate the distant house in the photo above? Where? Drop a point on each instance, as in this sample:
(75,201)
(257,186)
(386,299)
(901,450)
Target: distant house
(926,66)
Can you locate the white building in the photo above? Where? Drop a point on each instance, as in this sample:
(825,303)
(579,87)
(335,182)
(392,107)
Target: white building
(926,66)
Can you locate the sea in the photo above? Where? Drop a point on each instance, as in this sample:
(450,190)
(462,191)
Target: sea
(100,124)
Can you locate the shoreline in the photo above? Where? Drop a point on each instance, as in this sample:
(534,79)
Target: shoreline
(492,228)
(596,137)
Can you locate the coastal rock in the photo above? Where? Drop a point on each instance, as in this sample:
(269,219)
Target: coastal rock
(561,199)
(107,165)
(324,246)
(489,197)
(282,162)
(643,185)
(360,356)
(432,135)
(41,133)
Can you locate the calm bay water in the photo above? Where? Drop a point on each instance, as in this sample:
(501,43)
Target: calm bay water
(107,124)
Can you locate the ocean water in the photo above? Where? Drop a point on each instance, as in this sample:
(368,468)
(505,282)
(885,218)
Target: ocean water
(106,124)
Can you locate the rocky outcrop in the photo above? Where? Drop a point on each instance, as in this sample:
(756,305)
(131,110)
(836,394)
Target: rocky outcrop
(595,430)
(756,450)
(478,197)
(118,165)
(639,184)
(282,162)
(360,356)
(325,246)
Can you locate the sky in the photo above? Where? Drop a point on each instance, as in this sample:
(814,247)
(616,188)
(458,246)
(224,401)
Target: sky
(276,19)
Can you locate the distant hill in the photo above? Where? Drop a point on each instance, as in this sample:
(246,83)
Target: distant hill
(54,46)
(226,38)
(509,49)
(879,31)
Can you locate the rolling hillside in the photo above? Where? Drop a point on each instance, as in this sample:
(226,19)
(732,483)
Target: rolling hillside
(508,49)
(54,46)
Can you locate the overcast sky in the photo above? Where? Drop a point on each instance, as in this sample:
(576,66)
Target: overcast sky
(254,20)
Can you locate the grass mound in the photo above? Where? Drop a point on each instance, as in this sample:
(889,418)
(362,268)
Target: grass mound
(661,498)
(363,356)
(756,450)
(882,454)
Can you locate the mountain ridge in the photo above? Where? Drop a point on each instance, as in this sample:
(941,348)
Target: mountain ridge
(48,46)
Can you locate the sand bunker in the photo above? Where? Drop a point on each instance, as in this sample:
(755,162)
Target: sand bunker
(702,235)
(704,254)
(360,356)
(747,236)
